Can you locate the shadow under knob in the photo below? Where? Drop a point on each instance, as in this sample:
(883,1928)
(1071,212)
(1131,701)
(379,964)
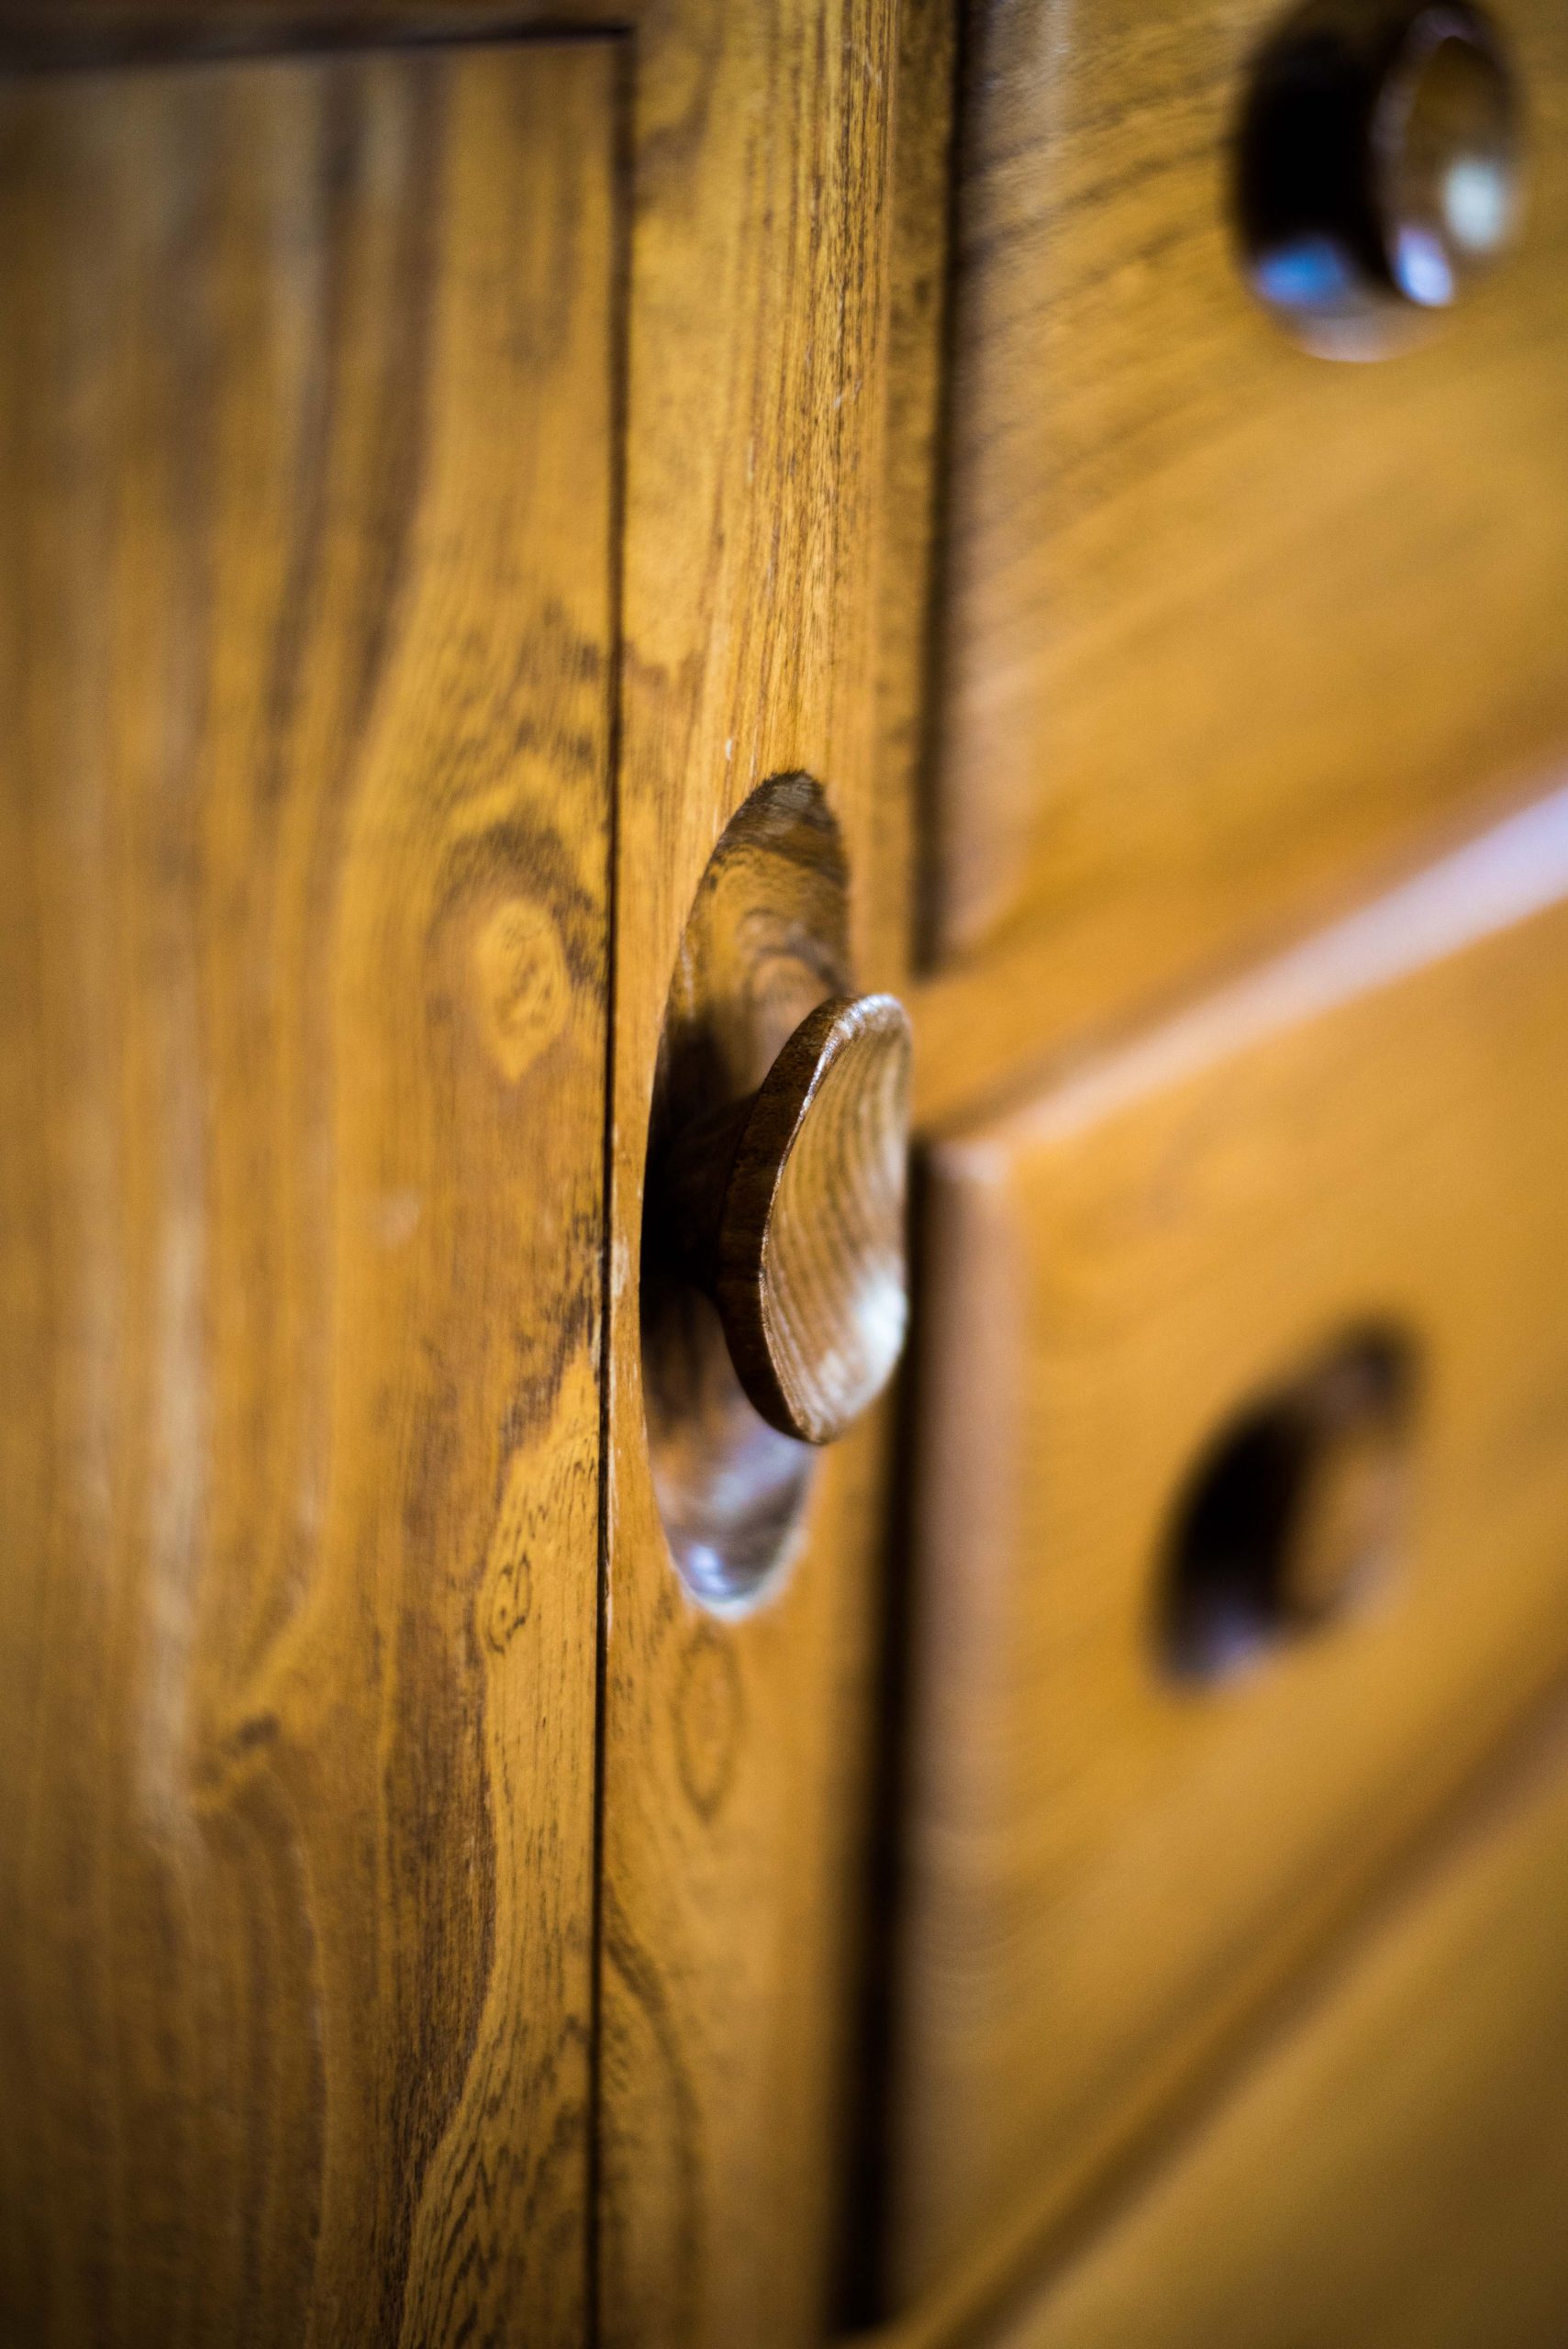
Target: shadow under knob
(789,1212)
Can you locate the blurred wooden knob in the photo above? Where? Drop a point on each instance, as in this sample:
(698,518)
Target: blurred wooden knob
(788,1210)
(1380,165)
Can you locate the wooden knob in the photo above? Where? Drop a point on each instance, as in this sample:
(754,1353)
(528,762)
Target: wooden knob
(1380,165)
(787,1209)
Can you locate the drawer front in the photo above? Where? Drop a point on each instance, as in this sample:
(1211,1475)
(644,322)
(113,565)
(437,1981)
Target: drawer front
(1223,619)
(1396,2171)
(1140,1781)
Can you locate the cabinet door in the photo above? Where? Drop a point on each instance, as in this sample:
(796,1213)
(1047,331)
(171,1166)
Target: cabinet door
(1394,2172)
(304,624)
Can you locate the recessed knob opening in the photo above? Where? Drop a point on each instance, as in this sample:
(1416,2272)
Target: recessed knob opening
(774,1285)
(1295,1511)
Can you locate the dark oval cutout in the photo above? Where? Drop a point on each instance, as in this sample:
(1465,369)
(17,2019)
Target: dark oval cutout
(1294,1510)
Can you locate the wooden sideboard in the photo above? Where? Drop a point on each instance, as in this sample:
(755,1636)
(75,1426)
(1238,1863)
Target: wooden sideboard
(554,556)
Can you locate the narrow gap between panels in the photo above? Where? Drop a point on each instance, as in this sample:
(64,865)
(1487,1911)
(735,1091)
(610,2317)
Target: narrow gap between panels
(860,2291)
(623,163)
(62,44)
(964,66)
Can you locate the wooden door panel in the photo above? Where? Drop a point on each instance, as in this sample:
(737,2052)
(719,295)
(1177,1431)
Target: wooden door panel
(305,415)
(1394,2169)
(1226,624)
(1108,1856)
(736,1741)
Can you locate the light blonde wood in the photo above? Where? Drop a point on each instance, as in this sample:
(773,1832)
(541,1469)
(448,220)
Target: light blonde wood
(305,470)
(734,1748)
(1226,625)
(1395,2169)
(1108,1864)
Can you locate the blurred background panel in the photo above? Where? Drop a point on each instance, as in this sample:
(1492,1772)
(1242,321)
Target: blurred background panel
(305,530)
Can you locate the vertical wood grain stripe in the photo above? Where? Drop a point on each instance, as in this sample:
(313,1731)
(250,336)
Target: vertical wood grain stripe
(306,432)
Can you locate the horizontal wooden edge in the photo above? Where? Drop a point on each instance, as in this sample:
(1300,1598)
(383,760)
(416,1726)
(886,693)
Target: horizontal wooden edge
(1040,2236)
(1040,1011)
(40,34)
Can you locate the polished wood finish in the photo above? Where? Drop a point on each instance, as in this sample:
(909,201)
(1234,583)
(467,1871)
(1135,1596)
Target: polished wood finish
(1350,1430)
(766,942)
(1107,1862)
(788,1210)
(1378,167)
(306,516)
(1395,2168)
(1228,638)
(1298,1504)
(305,1134)
(755,154)
(909,593)
(116,32)
(1226,628)
(734,1745)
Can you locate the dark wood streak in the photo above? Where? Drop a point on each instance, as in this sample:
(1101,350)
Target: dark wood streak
(87,33)
(755,495)
(787,1209)
(305,473)
(710,1719)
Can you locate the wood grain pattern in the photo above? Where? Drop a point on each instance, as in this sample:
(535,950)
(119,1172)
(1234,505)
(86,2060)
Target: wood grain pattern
(1107,1862)
(305,414)
(910,537)
(734,1749)
(1395,2170)
(1226,628)
(757,164)
(766,942)
(788,1210)
(113,32)
(812,1278)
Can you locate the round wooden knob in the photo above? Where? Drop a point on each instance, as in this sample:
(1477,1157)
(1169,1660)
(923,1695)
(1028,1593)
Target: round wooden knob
(1380,163)
(788,1210)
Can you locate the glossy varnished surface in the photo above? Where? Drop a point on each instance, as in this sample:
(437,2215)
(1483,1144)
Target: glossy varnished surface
(1108,1857)
(75,32)
(755,145)
(734,1749)
(791,1212)
(1394,2170)
(305,533)
(1226,625)
(766,942)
